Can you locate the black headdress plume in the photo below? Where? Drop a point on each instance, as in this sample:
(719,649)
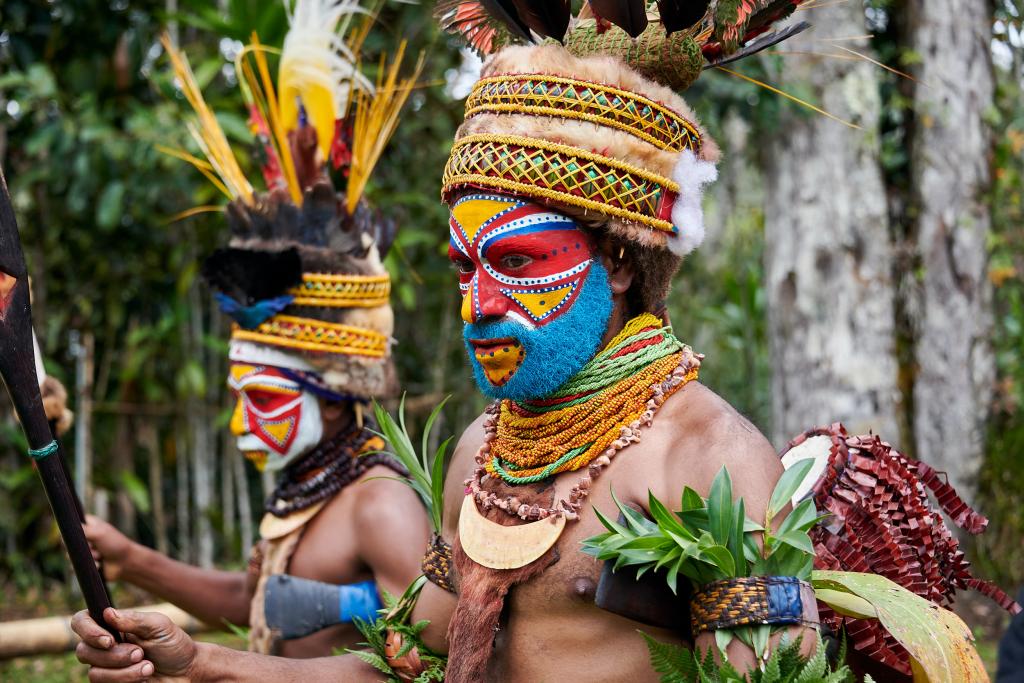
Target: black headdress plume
(629,15)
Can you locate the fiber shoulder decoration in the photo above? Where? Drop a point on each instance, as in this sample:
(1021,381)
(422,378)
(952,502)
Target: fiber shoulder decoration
(880,521)
(534,120)
(302,271)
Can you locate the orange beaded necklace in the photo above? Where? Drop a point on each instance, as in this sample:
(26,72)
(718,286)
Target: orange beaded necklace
(597,413)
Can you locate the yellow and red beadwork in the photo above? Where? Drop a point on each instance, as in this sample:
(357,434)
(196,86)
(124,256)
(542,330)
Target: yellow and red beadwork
(570,98)
(560,173)
(583,425)
(329,290)
(309,334)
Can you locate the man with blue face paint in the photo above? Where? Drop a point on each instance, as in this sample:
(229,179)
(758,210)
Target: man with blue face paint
(565,232)
(532,292)
(574,187)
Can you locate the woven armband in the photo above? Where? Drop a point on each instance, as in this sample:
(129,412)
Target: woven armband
(752,600)
(437,564)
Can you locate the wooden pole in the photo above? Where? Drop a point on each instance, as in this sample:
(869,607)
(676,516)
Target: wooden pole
(17,367)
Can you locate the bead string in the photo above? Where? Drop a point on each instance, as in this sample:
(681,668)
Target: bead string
(522,446)
(327,469)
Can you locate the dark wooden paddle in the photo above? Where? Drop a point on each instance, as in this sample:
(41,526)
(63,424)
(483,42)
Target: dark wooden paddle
(17,367)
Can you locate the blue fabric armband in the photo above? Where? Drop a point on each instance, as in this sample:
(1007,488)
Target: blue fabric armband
(358,601)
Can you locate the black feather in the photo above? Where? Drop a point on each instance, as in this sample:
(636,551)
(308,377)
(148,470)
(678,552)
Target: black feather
(505,11)
(762,43)
(629,15)
(677,15)
(250,276)
(548,18)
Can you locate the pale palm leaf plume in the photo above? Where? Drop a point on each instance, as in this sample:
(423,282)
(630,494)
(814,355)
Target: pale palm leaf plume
(318,70)
(375,117)
(222,167)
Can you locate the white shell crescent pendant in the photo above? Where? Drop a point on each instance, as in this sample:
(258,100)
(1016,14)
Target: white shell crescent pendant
(505,547)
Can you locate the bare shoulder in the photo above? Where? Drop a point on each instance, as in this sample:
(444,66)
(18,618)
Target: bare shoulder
(382,499)
(706,433)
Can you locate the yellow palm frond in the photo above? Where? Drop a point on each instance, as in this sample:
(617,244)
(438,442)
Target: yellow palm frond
(374,121)
(207,132)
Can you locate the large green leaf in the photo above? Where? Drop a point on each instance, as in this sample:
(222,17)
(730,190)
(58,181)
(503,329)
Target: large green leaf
(940,643)
(720,507)
(847,604)
(787,485)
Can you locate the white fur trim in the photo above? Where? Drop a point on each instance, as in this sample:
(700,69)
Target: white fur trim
(258,354)
(692,174)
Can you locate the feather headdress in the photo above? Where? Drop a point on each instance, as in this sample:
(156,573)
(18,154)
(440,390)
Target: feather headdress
(716,27)
(302,272)
(594,125)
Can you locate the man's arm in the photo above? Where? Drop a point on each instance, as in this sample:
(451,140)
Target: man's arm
(160,651)
(209,594)
(724,437)
(435,604)
(392,531)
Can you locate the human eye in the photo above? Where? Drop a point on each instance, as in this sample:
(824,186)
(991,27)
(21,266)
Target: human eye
(261,399)
(462,264)
(515,261)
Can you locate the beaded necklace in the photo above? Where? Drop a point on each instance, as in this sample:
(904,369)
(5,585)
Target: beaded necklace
(327,469)
(585,423)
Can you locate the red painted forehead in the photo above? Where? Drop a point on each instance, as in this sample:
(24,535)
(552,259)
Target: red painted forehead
(526,259)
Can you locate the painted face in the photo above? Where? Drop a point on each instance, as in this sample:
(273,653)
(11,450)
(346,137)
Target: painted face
(274,419)
(535,300)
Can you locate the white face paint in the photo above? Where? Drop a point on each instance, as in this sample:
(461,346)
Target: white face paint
(275,420)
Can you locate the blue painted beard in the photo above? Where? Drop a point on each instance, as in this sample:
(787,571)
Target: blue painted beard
(554,352)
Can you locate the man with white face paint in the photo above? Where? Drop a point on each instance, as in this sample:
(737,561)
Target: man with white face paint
(302,280)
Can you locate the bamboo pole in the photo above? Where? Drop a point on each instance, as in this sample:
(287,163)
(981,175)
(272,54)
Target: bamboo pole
(53,635)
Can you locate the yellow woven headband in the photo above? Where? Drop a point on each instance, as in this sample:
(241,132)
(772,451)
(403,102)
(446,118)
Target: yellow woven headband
(329,290)
(560,173)
(309,334)
(570,98)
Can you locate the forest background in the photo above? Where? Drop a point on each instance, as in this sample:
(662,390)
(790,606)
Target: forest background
(868,269)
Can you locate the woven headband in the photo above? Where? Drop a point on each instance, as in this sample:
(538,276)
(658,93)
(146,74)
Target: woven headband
(309,334)
(570,98)
(560,173)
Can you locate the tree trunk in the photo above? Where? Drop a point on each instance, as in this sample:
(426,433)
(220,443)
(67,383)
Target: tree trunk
(950,175)
(245,518)
(150,442)
(827,246)
(82,348)
(202,441)
(183,517)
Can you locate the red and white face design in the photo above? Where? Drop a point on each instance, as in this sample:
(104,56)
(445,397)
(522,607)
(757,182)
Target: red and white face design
(274,419)
(516,259)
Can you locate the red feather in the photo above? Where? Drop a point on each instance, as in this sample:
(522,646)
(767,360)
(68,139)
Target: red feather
(480,21)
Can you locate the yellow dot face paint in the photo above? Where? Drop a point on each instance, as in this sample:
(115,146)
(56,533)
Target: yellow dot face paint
(500,360)
(257,458)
